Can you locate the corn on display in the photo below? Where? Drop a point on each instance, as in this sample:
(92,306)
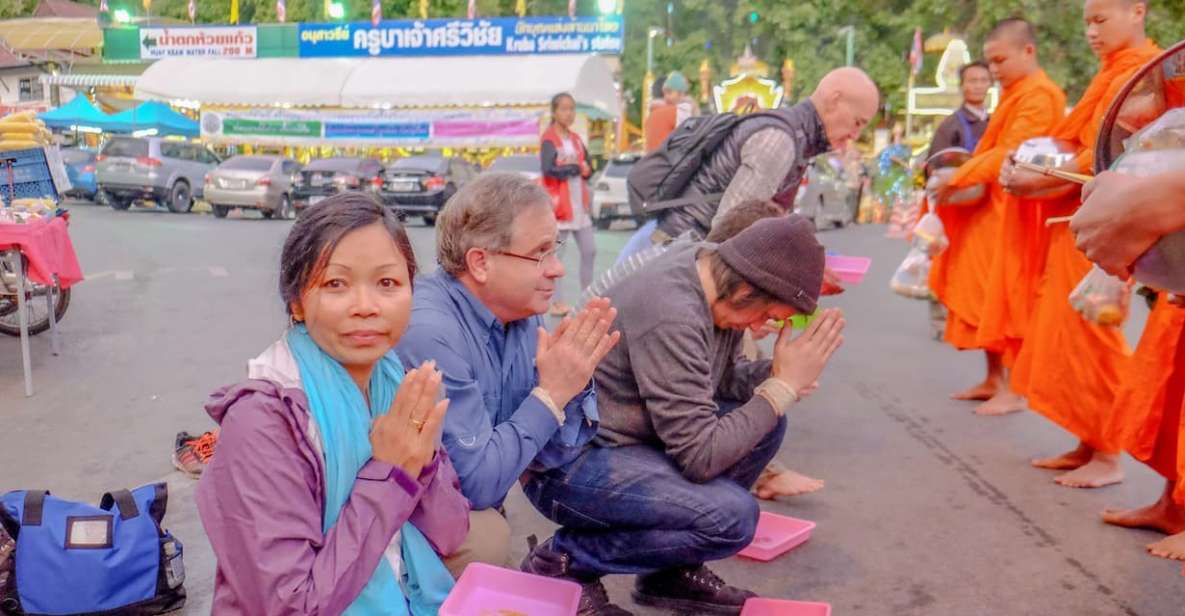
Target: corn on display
(22,131)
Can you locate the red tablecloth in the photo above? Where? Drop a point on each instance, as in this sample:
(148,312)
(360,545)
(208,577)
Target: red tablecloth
(46,244)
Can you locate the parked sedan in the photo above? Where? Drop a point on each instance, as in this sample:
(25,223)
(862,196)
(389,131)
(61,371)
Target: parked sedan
(80,168)
(527,165)
(328,176)
(421,185)
(610,198)
(261,183)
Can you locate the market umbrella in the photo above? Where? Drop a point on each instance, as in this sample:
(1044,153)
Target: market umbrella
(78,112)
(153,114)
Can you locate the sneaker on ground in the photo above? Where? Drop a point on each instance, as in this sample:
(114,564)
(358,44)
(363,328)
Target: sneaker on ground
(695,590)
(191,454)
(594,599)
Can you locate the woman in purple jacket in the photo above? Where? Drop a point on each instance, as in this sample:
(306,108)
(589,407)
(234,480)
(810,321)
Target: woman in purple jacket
(330,492)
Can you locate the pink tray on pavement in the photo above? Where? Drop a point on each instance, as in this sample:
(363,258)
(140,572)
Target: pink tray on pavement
(849,269)
(779,607)
(485,590)
(776,535)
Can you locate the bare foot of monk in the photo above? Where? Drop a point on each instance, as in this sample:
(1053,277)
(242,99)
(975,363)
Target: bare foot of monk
(1168,520)
(1067,461)
(1172,548)
(1165,515)
(982,392)
(1003,403)
(1102,470)
(784,482)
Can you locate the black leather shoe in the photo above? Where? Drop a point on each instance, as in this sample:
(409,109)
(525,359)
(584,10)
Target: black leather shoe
(594,600)
(695,590)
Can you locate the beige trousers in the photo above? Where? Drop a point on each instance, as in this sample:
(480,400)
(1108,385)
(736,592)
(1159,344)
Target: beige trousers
(488,542)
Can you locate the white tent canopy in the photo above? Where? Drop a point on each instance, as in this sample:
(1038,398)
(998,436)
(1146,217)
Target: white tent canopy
(469,81)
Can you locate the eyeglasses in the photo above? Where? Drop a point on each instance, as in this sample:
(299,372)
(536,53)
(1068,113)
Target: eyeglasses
(537,260)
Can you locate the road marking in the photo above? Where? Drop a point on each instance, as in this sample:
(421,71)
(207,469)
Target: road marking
(218,272)
(124,275)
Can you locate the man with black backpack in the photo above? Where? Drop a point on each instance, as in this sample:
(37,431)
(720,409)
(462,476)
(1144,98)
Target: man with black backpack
(712,163)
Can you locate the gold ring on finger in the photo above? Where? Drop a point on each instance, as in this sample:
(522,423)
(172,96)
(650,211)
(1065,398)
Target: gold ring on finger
(419,424)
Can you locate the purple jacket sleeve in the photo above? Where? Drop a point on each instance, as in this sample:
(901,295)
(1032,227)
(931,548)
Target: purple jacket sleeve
(261,502)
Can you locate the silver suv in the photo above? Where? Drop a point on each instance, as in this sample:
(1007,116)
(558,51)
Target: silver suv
(166,171)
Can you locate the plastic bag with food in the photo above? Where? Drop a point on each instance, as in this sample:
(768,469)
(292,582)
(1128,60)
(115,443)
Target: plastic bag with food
(912,278)
(929,235)
(1102,298)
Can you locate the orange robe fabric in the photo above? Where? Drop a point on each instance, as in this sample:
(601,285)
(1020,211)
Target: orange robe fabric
(1146,416)
(1069,368)
(1014,276)
(958,276)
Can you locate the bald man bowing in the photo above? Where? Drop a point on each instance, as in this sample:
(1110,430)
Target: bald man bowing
(766,155)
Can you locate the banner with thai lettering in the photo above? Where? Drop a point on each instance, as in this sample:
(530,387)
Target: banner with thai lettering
(465,37)
(377,128)
(199,41)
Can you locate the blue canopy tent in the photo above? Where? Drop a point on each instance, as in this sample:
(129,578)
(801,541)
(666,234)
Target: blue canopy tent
(154,115)
(79,112)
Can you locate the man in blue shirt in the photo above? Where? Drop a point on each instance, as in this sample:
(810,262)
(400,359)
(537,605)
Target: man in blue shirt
(519,397)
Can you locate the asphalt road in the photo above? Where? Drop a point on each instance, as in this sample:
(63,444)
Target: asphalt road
(928,510)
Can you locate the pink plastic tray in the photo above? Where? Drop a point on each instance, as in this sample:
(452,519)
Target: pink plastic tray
(776,535)
(849,269)
(485,590)
(777,607)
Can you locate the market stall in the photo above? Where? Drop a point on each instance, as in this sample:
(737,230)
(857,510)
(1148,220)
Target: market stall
(477,104)
(37,259)
(153,118)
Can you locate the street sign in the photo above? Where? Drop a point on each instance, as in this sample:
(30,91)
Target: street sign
(465,37)
(200,41)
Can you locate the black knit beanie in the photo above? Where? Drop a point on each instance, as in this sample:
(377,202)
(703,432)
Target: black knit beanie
(781,257)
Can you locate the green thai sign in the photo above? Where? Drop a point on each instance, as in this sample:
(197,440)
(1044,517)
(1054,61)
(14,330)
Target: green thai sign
(271,128)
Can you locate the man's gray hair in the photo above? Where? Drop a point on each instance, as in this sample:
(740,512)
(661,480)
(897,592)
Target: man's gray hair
(481,215)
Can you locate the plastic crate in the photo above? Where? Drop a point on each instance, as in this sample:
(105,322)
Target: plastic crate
(31,176)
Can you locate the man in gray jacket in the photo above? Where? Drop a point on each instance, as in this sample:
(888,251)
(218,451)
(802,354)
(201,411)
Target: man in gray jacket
(765,157)
(687,425)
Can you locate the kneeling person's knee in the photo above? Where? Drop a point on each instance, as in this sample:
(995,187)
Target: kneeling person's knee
(731,523)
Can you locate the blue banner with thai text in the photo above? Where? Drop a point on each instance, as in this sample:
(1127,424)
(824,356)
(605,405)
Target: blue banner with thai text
(465,37)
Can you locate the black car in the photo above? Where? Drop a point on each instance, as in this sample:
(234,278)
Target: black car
(421,185)
(324,177)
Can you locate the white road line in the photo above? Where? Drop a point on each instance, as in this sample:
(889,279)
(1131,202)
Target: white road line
(218,272)
(124,275)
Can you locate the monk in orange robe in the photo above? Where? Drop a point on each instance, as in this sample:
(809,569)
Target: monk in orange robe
(1146,419)
(1120,219)
(1069,368)
(1031,105)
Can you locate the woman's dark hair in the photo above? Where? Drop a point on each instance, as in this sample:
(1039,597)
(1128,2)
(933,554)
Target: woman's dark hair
(317,233)
(555,103)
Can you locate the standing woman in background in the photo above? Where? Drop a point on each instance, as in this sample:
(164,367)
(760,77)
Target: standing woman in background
(565,176)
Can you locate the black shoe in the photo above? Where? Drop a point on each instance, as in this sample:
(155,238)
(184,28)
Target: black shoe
(694,590)
(594,600)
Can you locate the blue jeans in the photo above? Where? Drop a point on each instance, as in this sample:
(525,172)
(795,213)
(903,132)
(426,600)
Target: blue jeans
(629,510)
(639,241)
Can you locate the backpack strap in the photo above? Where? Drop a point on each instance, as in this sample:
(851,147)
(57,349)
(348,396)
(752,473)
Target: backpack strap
(33,508)
(124,501)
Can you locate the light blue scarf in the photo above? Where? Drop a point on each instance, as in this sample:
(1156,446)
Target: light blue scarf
(343,422)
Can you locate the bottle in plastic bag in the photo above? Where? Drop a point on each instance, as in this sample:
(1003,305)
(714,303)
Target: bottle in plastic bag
(912,278)
(929,235)
(1102,298)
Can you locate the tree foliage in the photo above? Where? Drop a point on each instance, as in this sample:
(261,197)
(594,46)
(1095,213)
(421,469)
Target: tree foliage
(806,31)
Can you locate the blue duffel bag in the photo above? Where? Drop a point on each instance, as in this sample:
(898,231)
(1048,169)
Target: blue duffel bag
(62,557)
